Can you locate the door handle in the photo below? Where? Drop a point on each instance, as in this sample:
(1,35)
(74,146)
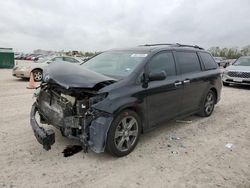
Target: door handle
(186,81)
(178,83)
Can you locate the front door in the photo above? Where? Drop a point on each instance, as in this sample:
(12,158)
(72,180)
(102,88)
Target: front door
(164,96)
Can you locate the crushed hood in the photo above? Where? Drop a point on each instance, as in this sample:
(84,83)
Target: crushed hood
(70,75)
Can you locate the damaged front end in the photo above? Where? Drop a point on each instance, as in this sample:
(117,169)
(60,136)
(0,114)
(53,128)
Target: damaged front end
(70,110)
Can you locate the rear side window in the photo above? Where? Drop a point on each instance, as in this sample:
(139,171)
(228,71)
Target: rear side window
(208,61)
(163,61)
(188,62)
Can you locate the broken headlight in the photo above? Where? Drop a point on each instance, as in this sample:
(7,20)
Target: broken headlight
(97,98)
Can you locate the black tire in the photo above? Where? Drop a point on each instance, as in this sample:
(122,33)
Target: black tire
(38,75)
(208,104)
(113,139)
(225,84)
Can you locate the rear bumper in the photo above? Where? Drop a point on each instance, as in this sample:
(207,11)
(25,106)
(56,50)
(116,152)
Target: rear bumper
(44,137)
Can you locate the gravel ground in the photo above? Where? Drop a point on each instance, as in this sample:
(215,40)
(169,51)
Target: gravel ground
(198,159)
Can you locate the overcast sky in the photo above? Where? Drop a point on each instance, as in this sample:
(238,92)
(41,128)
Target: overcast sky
(90,25)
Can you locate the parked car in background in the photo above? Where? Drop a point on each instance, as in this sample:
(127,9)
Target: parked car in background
(107,102)
(29,57)
(238,72)
(33,58)
(39,57)
(85,58)
(225,63)
(24,70)
(19,56)
(231,61)
(220,61)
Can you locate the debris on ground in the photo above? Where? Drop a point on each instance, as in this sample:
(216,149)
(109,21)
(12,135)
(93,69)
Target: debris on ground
(184,121)
(229,146)
(173,137)
(71,150)
(174,152)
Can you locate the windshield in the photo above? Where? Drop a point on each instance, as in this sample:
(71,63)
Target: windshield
(115,63)
(243,61)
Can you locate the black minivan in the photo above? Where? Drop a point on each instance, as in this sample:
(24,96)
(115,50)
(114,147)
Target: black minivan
(108,101)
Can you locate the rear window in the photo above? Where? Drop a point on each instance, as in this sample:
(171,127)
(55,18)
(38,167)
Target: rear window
(208,61)
(188,62)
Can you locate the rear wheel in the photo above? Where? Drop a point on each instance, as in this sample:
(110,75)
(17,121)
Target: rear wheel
(38,75)
(123,134)
(208,104)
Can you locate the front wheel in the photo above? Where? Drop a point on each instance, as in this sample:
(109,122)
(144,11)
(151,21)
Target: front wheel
(208,104)
(123,134)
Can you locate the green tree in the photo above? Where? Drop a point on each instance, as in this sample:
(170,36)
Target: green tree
(215,51)
(229,53)
(245,50)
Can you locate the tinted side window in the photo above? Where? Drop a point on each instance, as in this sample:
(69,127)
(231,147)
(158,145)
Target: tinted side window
(188,62)
(208,61)
(163,61)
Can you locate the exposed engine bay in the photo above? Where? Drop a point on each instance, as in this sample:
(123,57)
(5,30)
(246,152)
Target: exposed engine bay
(70,110)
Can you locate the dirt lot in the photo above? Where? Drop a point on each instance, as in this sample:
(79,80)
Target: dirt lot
(198,159)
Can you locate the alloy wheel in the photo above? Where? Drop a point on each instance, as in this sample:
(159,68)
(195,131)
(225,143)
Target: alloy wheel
(37,75)
(126,133)
(209,103)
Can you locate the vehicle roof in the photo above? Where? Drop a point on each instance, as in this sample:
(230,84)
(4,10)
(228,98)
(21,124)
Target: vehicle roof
(155,47)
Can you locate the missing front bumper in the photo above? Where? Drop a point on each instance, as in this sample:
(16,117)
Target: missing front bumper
(97,132)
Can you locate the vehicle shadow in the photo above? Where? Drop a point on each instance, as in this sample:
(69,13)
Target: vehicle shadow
(146,142)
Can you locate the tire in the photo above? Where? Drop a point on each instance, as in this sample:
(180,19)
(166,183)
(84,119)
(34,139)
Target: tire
(208,104)
(225,84)
(38,75)
(123,134)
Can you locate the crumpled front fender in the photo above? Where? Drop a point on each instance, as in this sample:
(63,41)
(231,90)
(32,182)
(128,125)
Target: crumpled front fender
(98,132)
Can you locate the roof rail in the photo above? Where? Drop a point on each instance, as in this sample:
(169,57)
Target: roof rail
(192,46)
(160,44)
(175,45)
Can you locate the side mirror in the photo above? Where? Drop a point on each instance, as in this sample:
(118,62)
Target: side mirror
(153,76)
(49,62)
